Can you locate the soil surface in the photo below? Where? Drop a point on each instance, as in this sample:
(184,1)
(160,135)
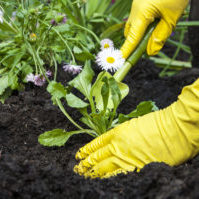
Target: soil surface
(30,171)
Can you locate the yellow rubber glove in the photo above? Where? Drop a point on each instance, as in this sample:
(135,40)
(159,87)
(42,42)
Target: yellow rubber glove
(143,12)
(170,135)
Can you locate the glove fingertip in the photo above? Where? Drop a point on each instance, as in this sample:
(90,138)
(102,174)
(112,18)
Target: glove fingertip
(153,48)
(79,156)
(158,37)
(75,169)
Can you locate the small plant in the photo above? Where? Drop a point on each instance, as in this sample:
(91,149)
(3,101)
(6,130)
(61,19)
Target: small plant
(100,100)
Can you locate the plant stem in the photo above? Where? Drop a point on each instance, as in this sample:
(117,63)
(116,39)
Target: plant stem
(38,60)
(55,63)
(88,131)
(67,46)
(69,14)
(175,64)
(137,54)
(188,23)
(22,4)
(163,72)
(78,14)
(15,30)
(66,114)
(89,31)
(182,46)
(42,68)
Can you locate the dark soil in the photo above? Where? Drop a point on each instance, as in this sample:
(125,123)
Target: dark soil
(30,171)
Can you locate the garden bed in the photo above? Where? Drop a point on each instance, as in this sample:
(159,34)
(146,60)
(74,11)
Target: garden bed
(29,170)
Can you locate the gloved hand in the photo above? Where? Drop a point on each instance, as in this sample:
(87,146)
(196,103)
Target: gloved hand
(143,12)
(170,135)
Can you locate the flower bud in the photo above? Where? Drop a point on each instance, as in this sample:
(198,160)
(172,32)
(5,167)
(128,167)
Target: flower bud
(59,18)
(33,11)
(32,37)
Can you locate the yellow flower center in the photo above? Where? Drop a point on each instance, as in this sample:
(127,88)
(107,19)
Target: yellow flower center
(33,35)
(106,46)
(110,60)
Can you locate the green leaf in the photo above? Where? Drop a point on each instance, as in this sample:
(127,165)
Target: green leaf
(58,48)
(103,5)
(143,108)
(86,120)
(4,44)
(91,6)
(77,50)
(83,81)
(100,121)
(13,59)
(115,92)
(6,27)
(111,30)
(4,84)
(57,90)
(96,91)
(105,92)
(120,9)
(84,56)
(56,137)
(7,93)
(75,102)
(25,70)
(3,70)
(13,80)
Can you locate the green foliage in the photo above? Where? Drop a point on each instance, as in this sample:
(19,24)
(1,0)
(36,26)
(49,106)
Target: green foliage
(83,81)
(38,37)
(57,90)
(105,91)
(34,37)
(56,137)
(96,90)
(31,42)
(75,102)
(141,109)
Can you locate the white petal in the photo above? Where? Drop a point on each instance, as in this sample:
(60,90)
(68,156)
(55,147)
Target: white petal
(106,42)
(102,56)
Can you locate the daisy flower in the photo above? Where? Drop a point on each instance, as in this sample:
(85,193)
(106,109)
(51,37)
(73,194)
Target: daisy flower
(30,77)
(74,69)
(110,59)
(106,43)
(39,80)
(48,73)
(1,16)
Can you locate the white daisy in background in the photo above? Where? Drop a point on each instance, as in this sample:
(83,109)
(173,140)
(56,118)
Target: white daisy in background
(1,16)
(38,80)
(106,43)
(30,78)
(49,73)
(110,59)
(73,69)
